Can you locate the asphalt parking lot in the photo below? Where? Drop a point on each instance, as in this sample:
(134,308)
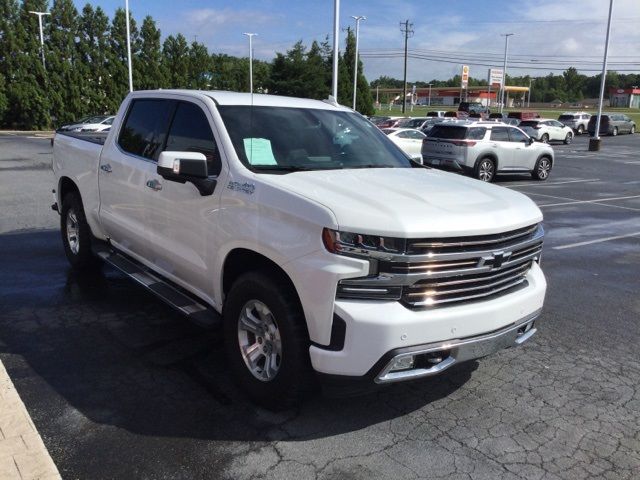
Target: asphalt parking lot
(120,386)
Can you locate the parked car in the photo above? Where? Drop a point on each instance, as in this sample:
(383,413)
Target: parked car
(96,123)
(408,139)
(415,122)
(376,119)
(578,121)
(473,107)
(436,113)
(392,122)
(523,115)
(612,124)
(547,130)
(485,149)
(456,114)
(306,239)
(428,125)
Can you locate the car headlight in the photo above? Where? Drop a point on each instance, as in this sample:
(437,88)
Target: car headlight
(361,245)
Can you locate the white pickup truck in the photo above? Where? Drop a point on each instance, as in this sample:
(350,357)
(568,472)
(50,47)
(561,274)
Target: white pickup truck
(319,248)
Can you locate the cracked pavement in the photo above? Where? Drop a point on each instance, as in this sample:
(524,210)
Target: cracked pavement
(120,386)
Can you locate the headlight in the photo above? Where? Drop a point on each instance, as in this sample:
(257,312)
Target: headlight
(356,244)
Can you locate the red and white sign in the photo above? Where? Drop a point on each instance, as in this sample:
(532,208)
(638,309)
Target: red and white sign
(465,76)
(495,77)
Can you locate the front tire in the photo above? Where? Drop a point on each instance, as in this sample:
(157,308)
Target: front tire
(633,129)
(580,129)
(615,132)
(486,170)
(76,233)
(266,340)
(542,169)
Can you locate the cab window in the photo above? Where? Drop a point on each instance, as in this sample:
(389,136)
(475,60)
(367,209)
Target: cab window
(190,132)
(144,127)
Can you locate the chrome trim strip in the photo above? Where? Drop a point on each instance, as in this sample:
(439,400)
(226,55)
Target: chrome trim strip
(462,350)
(532,229)
(431,301)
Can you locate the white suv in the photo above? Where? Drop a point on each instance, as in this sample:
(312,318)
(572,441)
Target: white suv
(546,130)
(578,121)
(484,149)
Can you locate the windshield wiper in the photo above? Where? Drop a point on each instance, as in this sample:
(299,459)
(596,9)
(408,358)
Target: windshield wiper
(280,168)
(370,165)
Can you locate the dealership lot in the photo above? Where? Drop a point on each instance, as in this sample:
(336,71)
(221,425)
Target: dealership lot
(119,386)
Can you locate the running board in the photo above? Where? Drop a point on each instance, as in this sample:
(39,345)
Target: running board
(194,309)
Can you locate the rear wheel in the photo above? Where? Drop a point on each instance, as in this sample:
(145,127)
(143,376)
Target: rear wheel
(266,340)
(544,138)
(580,129)
(614,132)
(568,139)
(76,233)
(542,169)
(486,170)
(633,129)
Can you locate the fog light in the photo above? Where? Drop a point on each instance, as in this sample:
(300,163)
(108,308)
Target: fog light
(402,363)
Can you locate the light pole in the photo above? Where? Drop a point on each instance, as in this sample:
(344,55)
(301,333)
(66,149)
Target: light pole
(594,143)
(529,96)
(355,66)
(126,12)
(430,94)
(336,26)
(504,68)
(40,15)
(250,35)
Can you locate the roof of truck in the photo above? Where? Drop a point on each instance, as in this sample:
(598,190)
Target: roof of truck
(222,97)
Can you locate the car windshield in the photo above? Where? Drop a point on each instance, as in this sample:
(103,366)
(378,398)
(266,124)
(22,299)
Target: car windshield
(414,123)
(283,139)
(96,119)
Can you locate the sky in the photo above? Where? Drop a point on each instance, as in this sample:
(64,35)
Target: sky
(548,34)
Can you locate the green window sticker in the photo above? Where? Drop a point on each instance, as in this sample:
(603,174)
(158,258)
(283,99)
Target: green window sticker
(259,152)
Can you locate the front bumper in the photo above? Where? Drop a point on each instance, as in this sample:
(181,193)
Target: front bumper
(374,329)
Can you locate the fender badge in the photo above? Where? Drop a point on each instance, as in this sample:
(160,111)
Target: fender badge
(247,188)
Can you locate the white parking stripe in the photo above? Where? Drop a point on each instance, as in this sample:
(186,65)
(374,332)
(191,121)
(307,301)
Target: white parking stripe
(632,163)
(542,184)
(599,200)
(599,240)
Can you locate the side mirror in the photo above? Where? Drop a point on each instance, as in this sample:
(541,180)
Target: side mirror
(185,167)
(531,140)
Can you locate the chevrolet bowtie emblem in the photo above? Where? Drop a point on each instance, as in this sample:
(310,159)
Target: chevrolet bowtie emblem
(495,260)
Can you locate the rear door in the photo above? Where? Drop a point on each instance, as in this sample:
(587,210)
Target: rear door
(503,147)
(125,166)
(182,224)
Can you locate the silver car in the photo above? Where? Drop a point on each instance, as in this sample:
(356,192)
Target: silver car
(485,149)
(578,121)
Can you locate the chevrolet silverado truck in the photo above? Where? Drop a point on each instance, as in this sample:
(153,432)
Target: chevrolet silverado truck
(315,245)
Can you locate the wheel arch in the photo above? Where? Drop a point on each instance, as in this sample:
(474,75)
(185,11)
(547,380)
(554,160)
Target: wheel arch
(490,155)
(65,186)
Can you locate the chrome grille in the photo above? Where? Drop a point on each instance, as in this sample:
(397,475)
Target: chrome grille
(442,272)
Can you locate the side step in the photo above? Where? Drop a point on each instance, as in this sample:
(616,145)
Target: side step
(189,305)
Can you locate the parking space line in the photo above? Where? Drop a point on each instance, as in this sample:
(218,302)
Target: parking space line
(632,163)
(542,184)
(598,200)
(598,240)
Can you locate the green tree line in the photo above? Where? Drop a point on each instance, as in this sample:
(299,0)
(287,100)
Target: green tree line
(569,86)
(86,71)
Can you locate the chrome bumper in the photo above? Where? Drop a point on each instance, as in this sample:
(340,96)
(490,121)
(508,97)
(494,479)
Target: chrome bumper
(434,358)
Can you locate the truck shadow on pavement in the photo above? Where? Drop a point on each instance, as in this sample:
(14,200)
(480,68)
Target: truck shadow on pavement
(89,351)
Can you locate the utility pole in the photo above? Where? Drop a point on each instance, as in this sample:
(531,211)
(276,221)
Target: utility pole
(40,15)
(407,29)
(250,35)
(126,8)
(529,96)
(430,94)
(355,67)
(336,28)
(504,68)
(594,143)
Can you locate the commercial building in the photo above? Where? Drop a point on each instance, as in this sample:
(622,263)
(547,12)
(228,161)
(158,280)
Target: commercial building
(452,96)
(624,97)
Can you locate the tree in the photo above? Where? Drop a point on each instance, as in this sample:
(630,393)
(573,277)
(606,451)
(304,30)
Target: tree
(175,57)
(63,72)
(117,85)
(364,102)
(93,46)
(148,64)
(200,66)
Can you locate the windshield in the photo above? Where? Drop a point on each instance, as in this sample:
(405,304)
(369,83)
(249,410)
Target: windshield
(282,139)
(96,119)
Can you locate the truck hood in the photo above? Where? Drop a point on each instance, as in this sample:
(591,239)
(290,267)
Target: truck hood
(411,202)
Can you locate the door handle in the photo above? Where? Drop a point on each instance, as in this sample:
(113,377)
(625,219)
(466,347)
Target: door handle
(154,185)
(106,168)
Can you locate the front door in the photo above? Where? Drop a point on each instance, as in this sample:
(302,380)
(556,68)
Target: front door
(181,223)
(502,147)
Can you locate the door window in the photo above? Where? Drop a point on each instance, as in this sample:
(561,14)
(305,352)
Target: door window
(144,128)
(499,134)
(190,132)
(517,136)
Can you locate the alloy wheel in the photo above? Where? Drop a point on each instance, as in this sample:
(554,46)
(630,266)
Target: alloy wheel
(544,166)
(259,340)
(73,232)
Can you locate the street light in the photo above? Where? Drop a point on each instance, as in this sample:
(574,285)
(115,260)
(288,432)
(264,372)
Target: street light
(430,94)
(336,26)
(40,15)
(529,96)
(504,68)
(250,35)
(355,67)
(126,12)
(594,143)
